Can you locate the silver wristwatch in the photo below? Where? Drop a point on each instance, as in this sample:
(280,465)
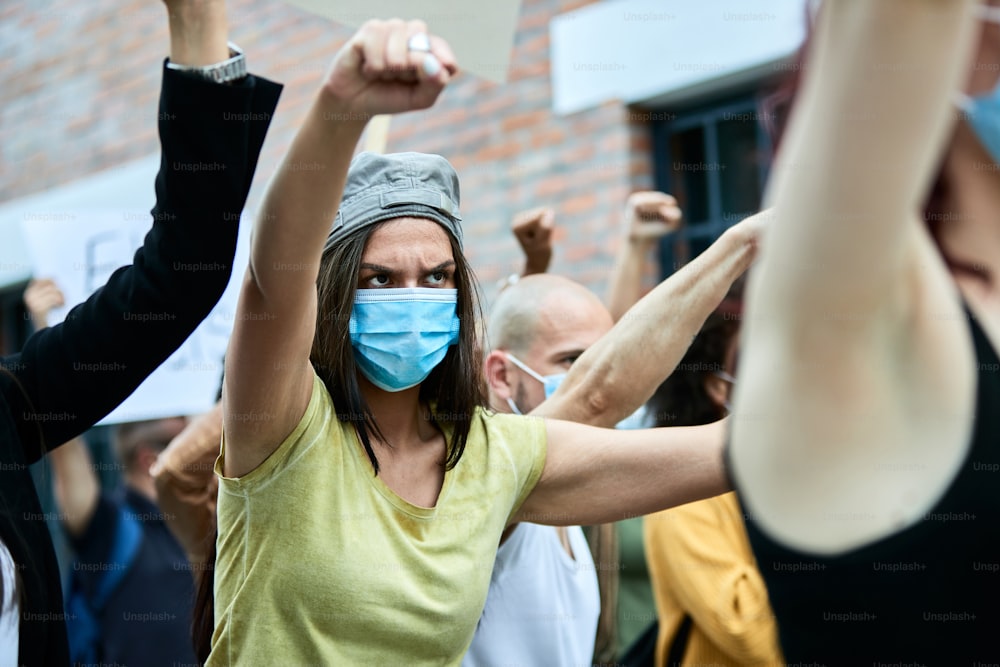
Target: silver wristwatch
(233,69)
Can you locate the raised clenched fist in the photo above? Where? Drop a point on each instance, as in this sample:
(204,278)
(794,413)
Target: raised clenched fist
(533,231)
(650,215)
(40,297)
(390,67)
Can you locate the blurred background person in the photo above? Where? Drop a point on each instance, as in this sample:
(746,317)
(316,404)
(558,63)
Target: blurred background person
(187,489)
(630,611)
(710,597)
(130,589)
(628,626)
(543,602)
(627,606)
(870,365)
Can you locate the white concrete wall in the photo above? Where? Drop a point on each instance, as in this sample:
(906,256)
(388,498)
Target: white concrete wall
(640,50)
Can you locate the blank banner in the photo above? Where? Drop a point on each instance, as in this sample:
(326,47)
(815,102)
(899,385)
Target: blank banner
(480,34)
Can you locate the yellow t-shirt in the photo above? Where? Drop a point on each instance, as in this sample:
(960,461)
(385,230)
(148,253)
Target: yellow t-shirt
(320,563)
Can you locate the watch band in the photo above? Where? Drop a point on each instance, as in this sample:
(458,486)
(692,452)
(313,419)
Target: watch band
(232,69)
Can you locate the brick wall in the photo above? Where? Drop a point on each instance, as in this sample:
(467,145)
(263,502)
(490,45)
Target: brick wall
(80,83)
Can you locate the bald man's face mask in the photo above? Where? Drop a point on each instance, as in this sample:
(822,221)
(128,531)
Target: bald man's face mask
(549,382)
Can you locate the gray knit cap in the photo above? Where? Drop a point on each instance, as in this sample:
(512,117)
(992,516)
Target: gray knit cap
(397,185)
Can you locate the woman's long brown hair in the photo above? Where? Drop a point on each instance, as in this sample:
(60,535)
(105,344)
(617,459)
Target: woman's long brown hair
(203,614)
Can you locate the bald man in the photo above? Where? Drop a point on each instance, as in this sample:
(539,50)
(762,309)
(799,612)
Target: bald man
(537,329)
(543,602)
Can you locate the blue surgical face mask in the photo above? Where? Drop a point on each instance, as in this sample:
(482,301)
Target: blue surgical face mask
(400,335)
(549,382)
(983,111)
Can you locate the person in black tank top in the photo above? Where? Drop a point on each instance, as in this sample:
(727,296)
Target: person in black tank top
(923,596)
(865,441)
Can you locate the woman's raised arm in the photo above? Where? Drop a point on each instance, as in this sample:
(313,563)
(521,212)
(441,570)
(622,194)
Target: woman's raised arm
(861,148)
(850,307)
(268,377)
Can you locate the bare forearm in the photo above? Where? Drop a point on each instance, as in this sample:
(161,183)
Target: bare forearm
(76,485)
(622,370)
(302,201)
(625,287)
(536,263)
(198,33)
(863,141)
(267,366)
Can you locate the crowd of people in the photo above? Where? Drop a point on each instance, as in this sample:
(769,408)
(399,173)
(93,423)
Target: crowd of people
(797,471)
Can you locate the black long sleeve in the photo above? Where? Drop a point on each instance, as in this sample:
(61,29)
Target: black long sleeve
(74,373)
(70,375)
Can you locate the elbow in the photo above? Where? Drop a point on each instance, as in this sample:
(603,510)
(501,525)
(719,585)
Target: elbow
(606,402)
(590,401)
(593,393)
(600,408)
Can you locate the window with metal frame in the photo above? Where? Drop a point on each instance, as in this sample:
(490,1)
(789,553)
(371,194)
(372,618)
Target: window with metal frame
(714,160)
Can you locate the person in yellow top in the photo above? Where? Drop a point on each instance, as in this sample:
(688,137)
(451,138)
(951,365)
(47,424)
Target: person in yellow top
(711,600)
(363,485)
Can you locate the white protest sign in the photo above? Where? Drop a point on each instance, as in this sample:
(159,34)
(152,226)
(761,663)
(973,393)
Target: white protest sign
(480,33)
(81,248)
